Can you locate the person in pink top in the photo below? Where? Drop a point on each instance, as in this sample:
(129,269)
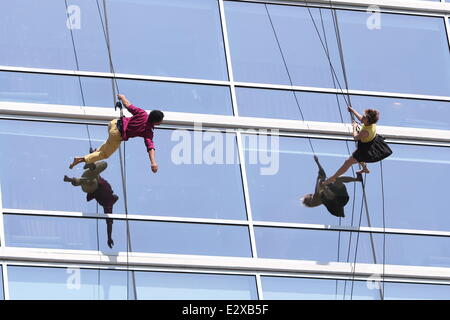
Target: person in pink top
(140,124)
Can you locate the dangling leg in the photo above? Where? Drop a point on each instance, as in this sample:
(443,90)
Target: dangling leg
(106,149)
(347,164)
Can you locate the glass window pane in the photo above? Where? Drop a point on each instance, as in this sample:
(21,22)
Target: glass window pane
(279,288)
(296,176)
(36,283)
(281,104)
(257,58)
(37,168)
(65,233)
(65,90)
(254,49)
(409,167)
(411,176)
(406,291)
(175,286)
(146,236)
(193,179)
(178,38)
(418,250)
(42,38)
(317,245)
(190,238)
(426,70)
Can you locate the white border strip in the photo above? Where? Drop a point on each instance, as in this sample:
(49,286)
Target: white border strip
(223,83)
(416,7)
(246,194)
(269,224)
(228,272)
(219,121)
(254,265)
(228,57)
(5,282)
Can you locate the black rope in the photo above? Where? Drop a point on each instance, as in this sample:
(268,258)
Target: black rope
(87,126)
(115,85)
(290,79)
(384,224)
(341,54)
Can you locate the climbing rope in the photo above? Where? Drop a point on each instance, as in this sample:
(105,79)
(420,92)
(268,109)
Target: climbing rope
(115,85)
(347,98)
(87,126)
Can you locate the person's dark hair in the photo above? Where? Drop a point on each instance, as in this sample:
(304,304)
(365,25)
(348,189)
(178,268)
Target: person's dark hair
(156,116)
(372,115)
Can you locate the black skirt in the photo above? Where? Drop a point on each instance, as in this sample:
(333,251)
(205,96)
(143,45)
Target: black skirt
(373,151)
(336,205)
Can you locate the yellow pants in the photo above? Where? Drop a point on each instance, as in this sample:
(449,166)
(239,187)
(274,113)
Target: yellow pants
(108,148)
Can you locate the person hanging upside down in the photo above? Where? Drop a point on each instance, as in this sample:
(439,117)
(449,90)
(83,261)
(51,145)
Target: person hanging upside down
(140,124)
(371,146)
(333,196)
(99,189)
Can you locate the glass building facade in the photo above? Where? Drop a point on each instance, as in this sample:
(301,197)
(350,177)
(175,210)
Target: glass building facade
(222,217)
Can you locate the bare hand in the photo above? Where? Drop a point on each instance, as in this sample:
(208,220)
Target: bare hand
(155,168)
(120,96)
(350,109)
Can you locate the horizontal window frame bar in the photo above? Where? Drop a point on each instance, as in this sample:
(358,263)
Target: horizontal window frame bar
(224,122)
(10,255)
(255,223)
(221,83)
(219,272)
(281,133)
(410,7)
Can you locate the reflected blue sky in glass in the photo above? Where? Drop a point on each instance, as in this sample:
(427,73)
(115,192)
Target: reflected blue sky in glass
(186,190)
(405,291)
(407,54)
(296,177)
(65,90)
(418,250)
(315,245)
(411,175)
(413,191)
(186,238)
(36,283)
(283,288)
(42,39)
(256,56)
(32,176)
(182,286)
(178,38)
(146,236)
(64,233)
(322,246)
(255,53)
(281,104)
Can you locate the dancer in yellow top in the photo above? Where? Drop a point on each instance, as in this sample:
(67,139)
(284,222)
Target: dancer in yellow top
(371,146)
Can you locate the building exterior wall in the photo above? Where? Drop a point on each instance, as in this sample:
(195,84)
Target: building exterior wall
(250,91)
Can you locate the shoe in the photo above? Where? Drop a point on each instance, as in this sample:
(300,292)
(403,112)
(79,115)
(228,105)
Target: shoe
(67,179)
(90,166)
(110,243)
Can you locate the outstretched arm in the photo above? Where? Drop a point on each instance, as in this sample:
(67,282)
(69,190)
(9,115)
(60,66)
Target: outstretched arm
(151,155)
(322,175)
(124,100)
(357,115)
